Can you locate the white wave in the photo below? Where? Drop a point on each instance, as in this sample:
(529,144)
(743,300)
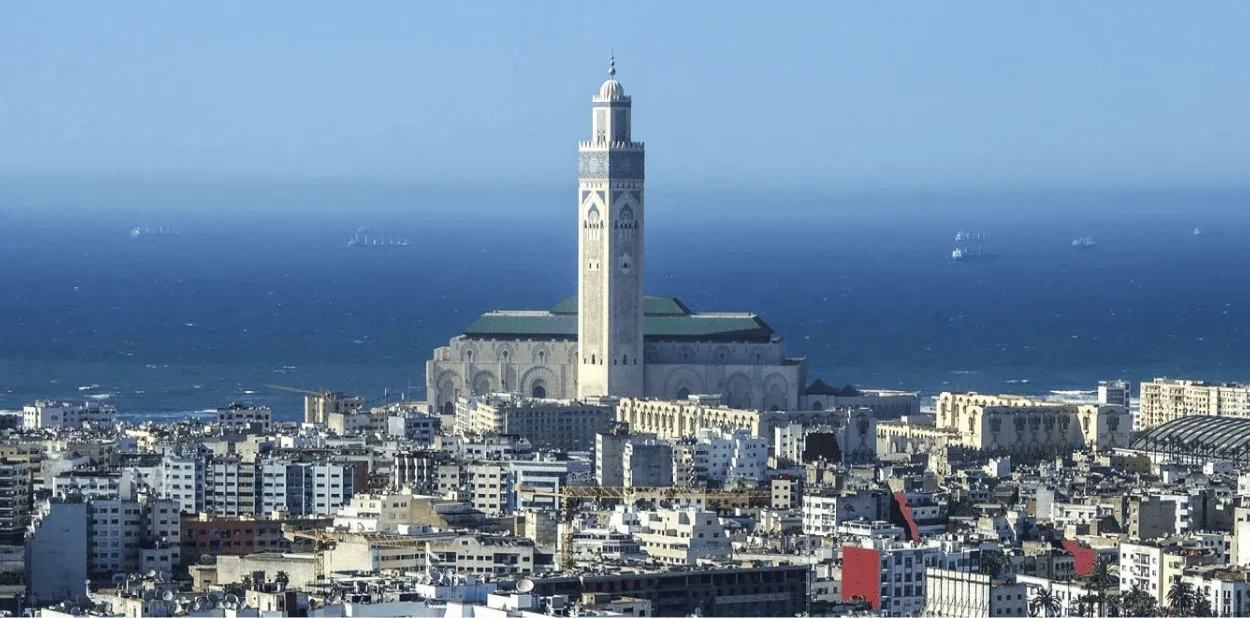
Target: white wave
(1020,381)
(1082,392)
(87,388)
(249,392)
(101,396)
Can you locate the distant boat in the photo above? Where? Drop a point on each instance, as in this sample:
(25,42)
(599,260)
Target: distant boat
(360,240)
(963,236)
(971,254)
(142,232)
(1197,231)
(1084,242)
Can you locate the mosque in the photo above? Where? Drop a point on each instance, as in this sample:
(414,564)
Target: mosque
(612,340)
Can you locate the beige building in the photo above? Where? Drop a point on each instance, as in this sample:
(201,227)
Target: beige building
(482,484)
(685,417)
(1014,423)
(913,434)
(1165,399)
(481,554)
(971,595)
(392,512)
(300,568)
(683,537)
(559,424)
(319,406)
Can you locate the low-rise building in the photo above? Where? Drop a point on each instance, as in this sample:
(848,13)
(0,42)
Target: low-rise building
(45,414)
(972,595)
(239,417)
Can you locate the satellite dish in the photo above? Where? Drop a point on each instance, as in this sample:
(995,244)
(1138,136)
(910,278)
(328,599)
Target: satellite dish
(215,596)
(168,596)
(231,599)
(228,604)
(450,576)
(74,611)
(83,600)
(436,577)
(334,598)
(152,573)
(199,604)
(149,595)
(525,585)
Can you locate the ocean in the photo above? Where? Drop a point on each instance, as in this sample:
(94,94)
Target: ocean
(260,289)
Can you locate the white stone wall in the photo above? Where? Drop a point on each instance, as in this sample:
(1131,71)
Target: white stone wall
(470,366)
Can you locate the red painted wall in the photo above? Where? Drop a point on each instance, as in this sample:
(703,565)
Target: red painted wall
(861,574)
(909,523)
(1085,556)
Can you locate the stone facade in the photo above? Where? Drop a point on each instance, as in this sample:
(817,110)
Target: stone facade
(1013,422)
(1164,400)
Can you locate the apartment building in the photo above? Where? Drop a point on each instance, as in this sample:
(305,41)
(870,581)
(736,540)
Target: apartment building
(244,418)
(547,423)
(1166,399)
(683,537)
(45,414)
(972,595)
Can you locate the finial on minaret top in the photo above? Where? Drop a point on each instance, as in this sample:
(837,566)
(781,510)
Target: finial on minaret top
(612,65)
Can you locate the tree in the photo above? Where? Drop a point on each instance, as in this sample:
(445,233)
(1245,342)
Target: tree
(1100,579)
(1138,603)
(992,563)
(1085,605)
(1182,597)
(282,578)
(1044,603)
(1202,605)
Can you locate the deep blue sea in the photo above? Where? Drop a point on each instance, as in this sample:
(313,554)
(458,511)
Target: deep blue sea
(260,288)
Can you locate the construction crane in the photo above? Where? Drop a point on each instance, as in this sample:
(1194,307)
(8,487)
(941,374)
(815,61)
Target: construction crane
(572,496)
(292,389)
(324,540)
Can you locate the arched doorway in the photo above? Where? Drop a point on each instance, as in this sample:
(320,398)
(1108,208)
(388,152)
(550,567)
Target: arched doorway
(683,393)
(539,389)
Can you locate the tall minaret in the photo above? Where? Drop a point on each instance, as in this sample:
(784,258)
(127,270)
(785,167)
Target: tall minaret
(610,231)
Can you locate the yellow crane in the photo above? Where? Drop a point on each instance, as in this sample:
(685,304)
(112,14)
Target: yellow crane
(572,496)
(292,389)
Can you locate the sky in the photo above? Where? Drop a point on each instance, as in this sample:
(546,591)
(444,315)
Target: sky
(952,95)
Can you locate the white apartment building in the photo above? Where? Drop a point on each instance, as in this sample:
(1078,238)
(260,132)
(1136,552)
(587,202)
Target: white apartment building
(1165,399)
(714,456)
(1228,589)
(487,448)
(823,513)
(1151,568)
(230,486)
(1066,591)
(121,532)
(683,537)
(545,476)
(305,488)
(972,595)
(240,417)
(183,482)
(481,554)
(55,415)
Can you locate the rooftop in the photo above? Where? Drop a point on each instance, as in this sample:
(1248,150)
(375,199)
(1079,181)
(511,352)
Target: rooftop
(664,318)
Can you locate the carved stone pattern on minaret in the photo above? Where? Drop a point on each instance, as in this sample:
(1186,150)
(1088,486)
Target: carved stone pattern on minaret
(627,304)
(626,164)
(592,164)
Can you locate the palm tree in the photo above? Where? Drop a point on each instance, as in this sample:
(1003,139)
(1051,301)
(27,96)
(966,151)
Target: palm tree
(1182,597)
(1045,603)
(282,578)
(1202,606)
(1100,579)
(1139,603)
(992,563)
(1085,605)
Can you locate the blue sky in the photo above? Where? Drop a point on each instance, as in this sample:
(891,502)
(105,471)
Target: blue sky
(954,95)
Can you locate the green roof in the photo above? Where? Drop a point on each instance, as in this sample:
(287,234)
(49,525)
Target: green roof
(664,319)
(651,305)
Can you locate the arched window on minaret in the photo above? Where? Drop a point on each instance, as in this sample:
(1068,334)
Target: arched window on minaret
(594,223)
